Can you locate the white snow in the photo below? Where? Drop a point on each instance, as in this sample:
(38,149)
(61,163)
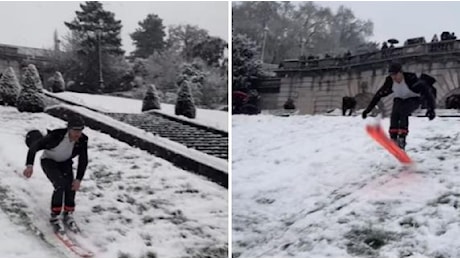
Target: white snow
(131,203)
(418,112)
(17,242)
(318,186)
(212,118)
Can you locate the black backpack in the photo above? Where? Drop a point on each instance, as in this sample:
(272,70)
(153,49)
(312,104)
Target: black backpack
(33,136)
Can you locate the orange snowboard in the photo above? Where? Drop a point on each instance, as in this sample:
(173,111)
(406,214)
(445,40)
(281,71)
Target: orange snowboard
(377,133)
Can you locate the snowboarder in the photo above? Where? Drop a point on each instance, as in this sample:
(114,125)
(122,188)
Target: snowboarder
(408,91)
(60,146)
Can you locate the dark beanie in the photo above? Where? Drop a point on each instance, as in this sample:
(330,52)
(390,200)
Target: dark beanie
(394,68)
(75,122)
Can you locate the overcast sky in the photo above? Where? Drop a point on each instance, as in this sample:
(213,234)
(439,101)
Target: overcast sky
(402,20)
(32,24)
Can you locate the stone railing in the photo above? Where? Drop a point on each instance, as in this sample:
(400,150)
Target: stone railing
(24,53)
(443,47)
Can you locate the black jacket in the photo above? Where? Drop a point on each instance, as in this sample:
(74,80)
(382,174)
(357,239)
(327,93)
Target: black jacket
(420,86)
(52,139)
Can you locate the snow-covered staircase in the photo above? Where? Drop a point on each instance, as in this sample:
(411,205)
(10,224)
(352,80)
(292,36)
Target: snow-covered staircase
(200,140)
(216,169)
(204,139)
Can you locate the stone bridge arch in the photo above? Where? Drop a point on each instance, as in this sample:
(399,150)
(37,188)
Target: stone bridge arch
(442,101)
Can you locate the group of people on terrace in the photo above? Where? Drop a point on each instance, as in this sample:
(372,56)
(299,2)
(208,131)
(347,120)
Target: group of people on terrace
(387,50)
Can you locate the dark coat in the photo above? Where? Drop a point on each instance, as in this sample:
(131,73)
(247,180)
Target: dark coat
(348,103)
(52,139)
(420,86)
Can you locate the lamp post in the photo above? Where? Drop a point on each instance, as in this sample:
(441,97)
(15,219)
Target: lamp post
(302,46)
(99,53)
(263,44)
(281,39)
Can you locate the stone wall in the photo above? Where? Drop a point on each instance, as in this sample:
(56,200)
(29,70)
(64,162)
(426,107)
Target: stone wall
(16,56)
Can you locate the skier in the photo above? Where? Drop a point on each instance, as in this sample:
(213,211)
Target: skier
(60,146)
(408,91)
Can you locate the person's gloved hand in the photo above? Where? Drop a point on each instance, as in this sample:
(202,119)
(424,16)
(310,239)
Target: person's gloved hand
(430,114)
(365,112)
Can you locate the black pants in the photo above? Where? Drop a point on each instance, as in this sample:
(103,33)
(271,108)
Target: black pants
(402,108)
(61,176)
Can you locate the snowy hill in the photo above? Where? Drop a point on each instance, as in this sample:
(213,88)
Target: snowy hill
(318,186)
(207,117)
(131,203)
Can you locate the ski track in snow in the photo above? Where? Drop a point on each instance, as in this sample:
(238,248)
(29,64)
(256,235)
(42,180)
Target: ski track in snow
(318,186)
(131,203)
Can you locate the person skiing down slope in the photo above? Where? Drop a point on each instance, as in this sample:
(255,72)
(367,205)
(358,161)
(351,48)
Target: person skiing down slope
(60,146)
(408,91)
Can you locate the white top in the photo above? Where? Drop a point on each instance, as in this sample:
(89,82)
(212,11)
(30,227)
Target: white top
(62,152)
(401,90)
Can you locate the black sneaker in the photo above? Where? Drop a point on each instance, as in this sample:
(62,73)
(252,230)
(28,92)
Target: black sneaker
(395,139)
(57,224)
(69,222)
(401,142)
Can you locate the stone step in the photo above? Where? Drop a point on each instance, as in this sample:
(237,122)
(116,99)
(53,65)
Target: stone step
(214,148)
(218,143)
(194,140)
(188,135)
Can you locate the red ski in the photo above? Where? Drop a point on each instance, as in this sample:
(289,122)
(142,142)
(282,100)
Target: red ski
(74,247)
(377,133)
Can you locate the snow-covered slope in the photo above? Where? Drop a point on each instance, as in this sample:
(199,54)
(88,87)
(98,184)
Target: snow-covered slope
(318,186)
(131,203)
(207,117)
